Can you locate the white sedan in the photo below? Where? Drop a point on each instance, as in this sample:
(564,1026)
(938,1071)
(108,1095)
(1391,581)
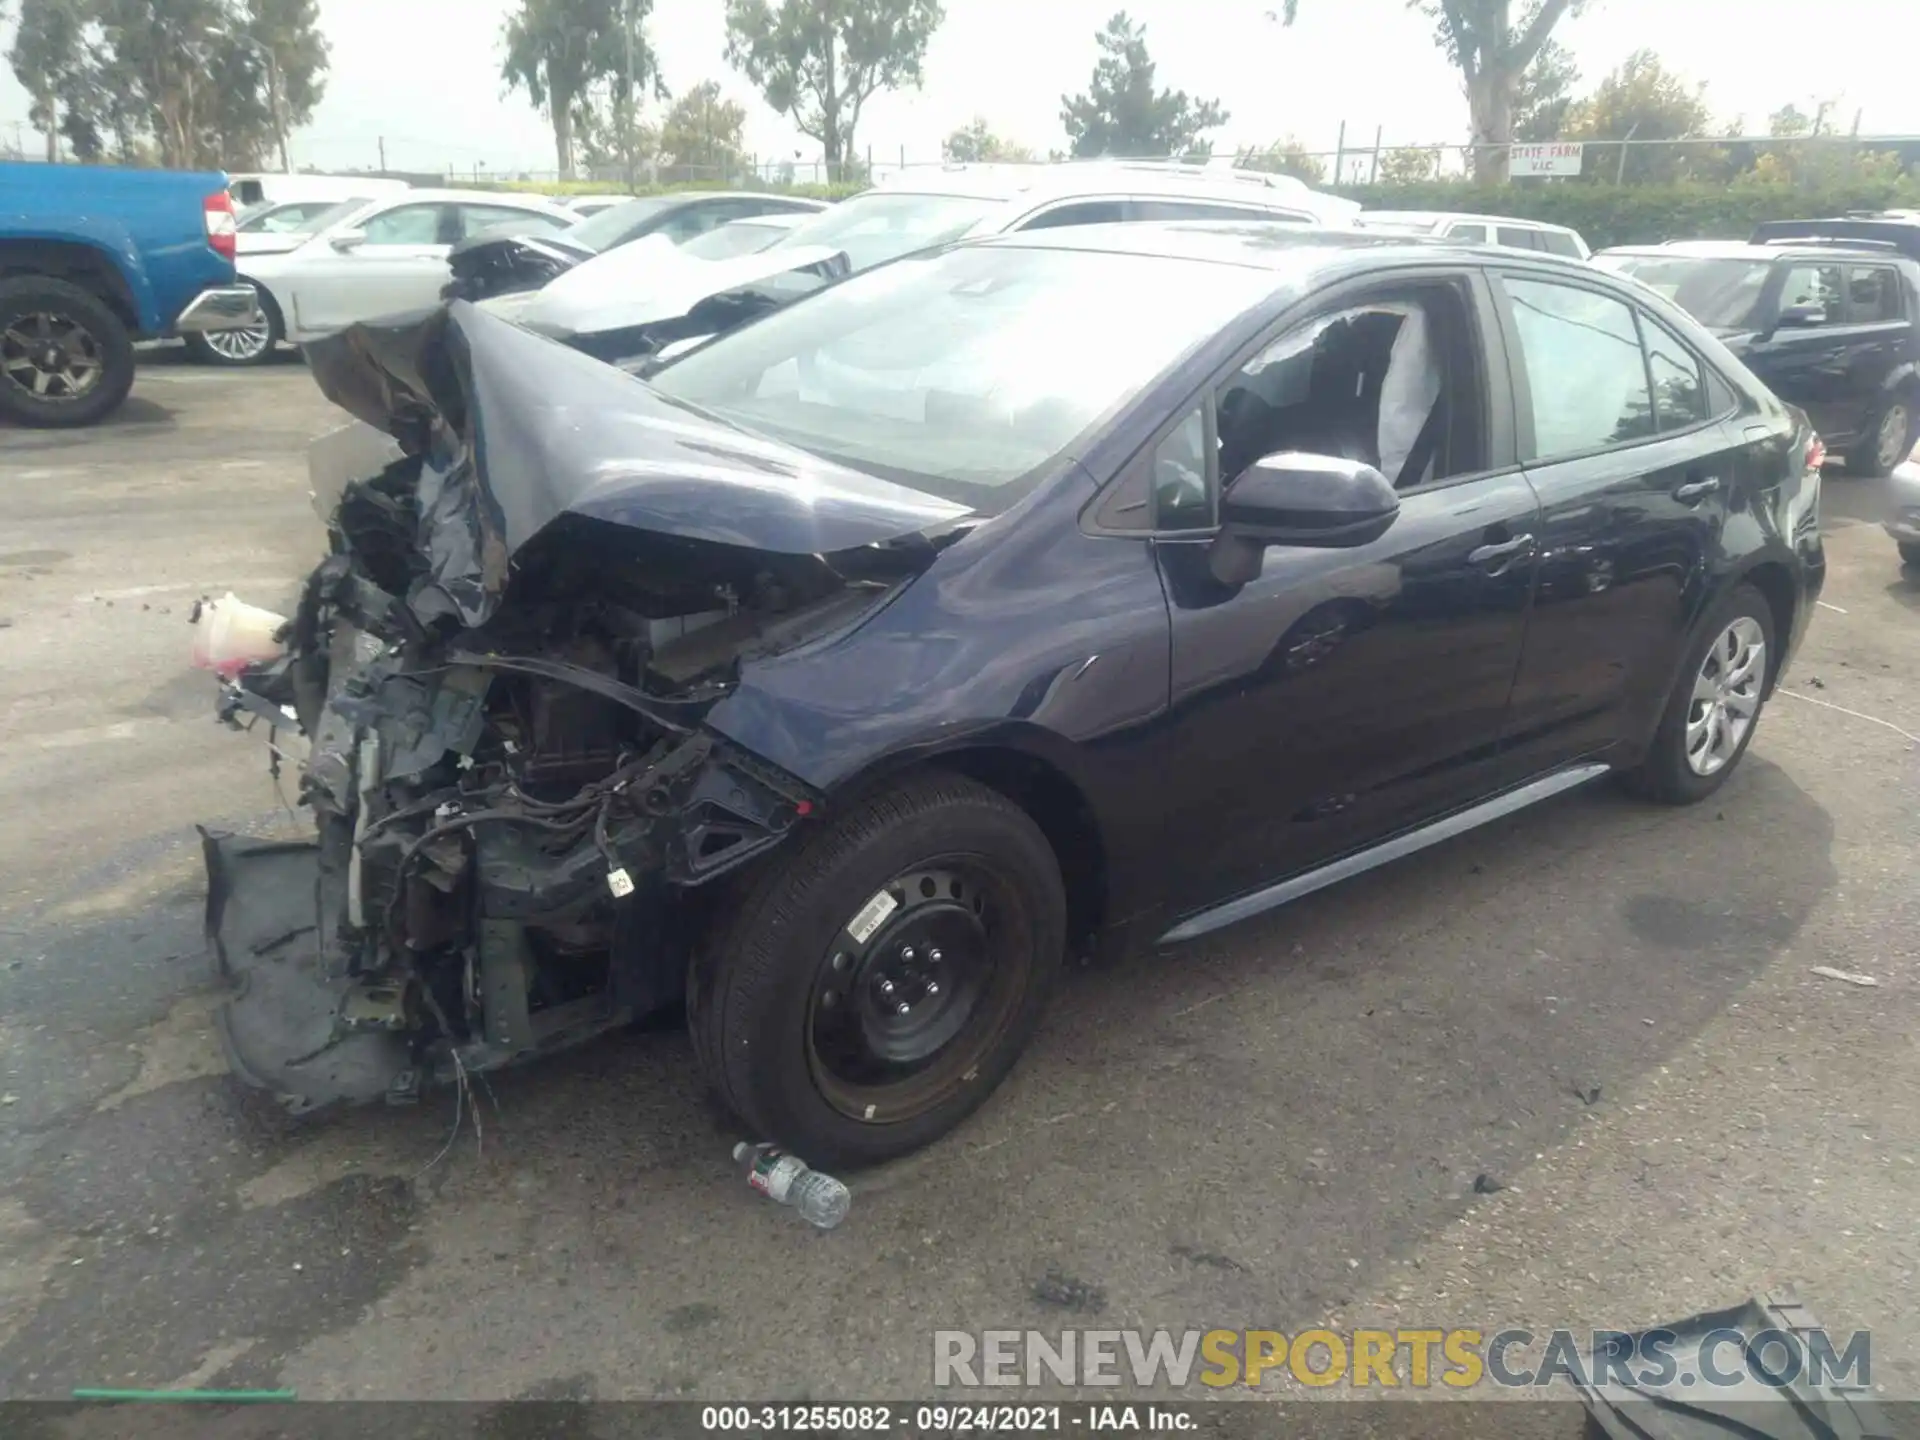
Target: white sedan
(385,257)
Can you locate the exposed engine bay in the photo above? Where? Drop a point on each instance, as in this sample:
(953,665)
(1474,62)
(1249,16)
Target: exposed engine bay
(520,810)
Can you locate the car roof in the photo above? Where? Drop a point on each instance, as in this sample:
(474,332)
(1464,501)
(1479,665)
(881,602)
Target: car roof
(695,197)
(1742,250)
(471,197)
(1041,182)
(1468,215)
(1298,252)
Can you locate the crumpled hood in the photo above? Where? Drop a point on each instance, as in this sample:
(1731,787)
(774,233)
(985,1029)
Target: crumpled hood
(652,280)
(513,431)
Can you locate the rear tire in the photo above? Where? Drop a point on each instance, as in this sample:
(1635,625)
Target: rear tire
(1693,754)
(65,358)
(1888,437)
(785,1002)
(239,349)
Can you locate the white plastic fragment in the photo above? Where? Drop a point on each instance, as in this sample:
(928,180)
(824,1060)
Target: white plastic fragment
(1851,977)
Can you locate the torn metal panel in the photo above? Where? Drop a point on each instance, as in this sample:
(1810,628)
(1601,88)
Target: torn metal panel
(542,577)
(281,1024)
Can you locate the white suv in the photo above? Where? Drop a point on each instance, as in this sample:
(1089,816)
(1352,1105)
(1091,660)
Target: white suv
(926,207)
(1501,230)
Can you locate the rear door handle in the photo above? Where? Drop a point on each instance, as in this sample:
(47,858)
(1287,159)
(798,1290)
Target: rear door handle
(1487,553)
(1696,490)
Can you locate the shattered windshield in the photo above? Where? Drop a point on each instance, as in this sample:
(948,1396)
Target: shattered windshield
(877,227)
(1721,294)
(966,372)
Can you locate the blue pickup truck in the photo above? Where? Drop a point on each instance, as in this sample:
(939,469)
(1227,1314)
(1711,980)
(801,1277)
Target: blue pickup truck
(93,259)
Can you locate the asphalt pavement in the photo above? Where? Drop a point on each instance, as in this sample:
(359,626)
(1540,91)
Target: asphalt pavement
(1572,1069)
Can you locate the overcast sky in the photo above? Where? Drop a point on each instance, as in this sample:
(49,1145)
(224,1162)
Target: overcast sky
(425,73)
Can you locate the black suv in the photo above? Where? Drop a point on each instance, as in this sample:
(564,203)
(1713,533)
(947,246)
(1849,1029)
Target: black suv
(1826,312)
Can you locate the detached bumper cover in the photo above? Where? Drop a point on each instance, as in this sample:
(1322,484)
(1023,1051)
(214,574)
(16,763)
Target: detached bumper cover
(229,307)
(285,1023)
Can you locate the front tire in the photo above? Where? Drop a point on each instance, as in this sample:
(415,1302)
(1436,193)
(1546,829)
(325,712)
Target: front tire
(237,349)
(65,358)
(875,985)
(1715,707)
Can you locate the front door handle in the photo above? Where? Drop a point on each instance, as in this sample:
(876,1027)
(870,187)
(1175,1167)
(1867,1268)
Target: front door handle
(1696,490)
(1488,553)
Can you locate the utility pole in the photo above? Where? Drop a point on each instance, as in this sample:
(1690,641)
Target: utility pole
(383,154)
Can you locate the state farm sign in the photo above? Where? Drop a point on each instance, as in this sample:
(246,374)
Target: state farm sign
(1556,158)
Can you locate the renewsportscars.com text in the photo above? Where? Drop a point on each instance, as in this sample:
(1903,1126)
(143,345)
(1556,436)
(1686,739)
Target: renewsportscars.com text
(1417,1359)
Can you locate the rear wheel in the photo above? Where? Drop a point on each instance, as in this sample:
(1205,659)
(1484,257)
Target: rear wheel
(65,357)
(1888,438)
(875,986)
(251,346)
(1715,706)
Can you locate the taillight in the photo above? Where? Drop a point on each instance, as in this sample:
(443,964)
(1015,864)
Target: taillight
(223,231)
(1816,454)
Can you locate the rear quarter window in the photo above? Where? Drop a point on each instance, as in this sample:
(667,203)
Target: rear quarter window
(1558,242)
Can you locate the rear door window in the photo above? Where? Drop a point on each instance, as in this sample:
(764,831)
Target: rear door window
(1873,294)
(1517,238)
(1586,374)
(1206,210)
(1557,242)
(1679,380)
(1081,212)
(1472,234)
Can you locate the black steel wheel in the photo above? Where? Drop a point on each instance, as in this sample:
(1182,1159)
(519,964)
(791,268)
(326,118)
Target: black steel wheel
(65,357)
(876,986)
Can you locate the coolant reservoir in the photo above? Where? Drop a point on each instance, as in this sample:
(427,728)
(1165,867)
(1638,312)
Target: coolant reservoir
(229,635)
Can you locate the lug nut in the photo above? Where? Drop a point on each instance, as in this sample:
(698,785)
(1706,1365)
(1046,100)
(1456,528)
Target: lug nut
(902,1008)
(886,987)
(933,957)
(906,952)
(826,1000)
(933,987)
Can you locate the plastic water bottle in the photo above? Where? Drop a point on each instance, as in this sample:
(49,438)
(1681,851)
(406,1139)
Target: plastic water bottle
(820,1199)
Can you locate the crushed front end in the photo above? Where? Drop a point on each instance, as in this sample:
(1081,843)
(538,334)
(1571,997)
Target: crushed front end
(520,810)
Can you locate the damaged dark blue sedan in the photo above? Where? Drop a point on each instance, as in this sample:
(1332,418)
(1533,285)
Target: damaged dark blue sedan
(1076,589)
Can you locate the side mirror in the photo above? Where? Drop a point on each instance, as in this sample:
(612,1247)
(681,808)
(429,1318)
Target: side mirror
(1314,501)
(349,240)
(1799,316)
